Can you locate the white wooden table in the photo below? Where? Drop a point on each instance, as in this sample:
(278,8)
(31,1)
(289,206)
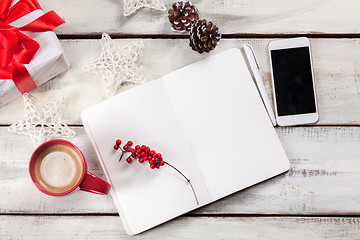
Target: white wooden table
(318,198)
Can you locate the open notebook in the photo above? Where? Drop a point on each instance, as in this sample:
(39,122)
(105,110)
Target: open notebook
(207,119)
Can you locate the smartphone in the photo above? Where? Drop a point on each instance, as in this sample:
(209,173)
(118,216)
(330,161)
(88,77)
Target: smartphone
(293,82)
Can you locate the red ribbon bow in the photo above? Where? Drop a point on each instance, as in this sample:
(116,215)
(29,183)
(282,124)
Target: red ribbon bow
(17,49)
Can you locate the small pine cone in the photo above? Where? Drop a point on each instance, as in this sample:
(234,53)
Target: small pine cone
(182,15)
(204,36)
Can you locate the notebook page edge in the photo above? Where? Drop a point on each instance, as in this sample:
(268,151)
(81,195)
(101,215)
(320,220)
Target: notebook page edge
(104,169)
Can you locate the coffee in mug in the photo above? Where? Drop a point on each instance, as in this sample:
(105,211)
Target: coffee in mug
(57,167)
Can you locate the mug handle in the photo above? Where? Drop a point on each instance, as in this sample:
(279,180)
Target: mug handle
(94,184)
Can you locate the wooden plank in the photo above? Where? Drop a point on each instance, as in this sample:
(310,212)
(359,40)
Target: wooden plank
(336,63)
(232,17)
(109,227)
(324,178)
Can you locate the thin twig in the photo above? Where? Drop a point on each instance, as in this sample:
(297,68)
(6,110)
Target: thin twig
(188,180)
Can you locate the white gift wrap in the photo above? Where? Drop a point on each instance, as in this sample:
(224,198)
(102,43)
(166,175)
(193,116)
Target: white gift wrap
(48,61)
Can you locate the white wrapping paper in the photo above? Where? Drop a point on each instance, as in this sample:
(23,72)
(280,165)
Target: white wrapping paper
(48,61)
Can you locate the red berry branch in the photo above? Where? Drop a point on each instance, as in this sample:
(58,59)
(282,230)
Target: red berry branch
(145,154)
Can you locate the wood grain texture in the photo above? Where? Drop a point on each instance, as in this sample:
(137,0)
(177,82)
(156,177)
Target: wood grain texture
(336,66)
(109,227)
(324,178)
(231,16)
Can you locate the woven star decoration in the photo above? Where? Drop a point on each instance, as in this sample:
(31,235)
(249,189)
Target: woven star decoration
(42,121)
(130,6)
(117,64)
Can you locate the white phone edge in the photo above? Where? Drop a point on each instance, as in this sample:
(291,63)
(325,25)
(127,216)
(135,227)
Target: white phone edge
(297,119)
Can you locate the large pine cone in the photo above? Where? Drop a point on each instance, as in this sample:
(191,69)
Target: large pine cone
(204,36)
(182,16)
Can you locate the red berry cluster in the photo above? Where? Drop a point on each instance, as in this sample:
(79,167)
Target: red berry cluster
(144,153)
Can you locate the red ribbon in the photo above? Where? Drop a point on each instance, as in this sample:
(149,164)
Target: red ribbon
(17,49)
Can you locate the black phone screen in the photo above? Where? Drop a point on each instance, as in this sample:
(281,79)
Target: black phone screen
(293,81)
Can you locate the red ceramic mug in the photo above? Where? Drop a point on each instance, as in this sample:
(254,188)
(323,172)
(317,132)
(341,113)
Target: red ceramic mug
(57,167)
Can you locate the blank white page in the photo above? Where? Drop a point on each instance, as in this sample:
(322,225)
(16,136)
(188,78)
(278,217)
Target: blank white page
(225,123)
(144,197)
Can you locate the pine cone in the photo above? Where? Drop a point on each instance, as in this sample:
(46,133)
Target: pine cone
(182,16)
(204,36)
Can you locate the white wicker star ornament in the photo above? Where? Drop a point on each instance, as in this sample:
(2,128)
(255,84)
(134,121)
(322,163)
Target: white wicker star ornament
(130,6)
(42,121)
(117,64)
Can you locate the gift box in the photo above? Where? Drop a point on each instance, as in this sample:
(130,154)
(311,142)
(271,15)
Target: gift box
(30,52)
